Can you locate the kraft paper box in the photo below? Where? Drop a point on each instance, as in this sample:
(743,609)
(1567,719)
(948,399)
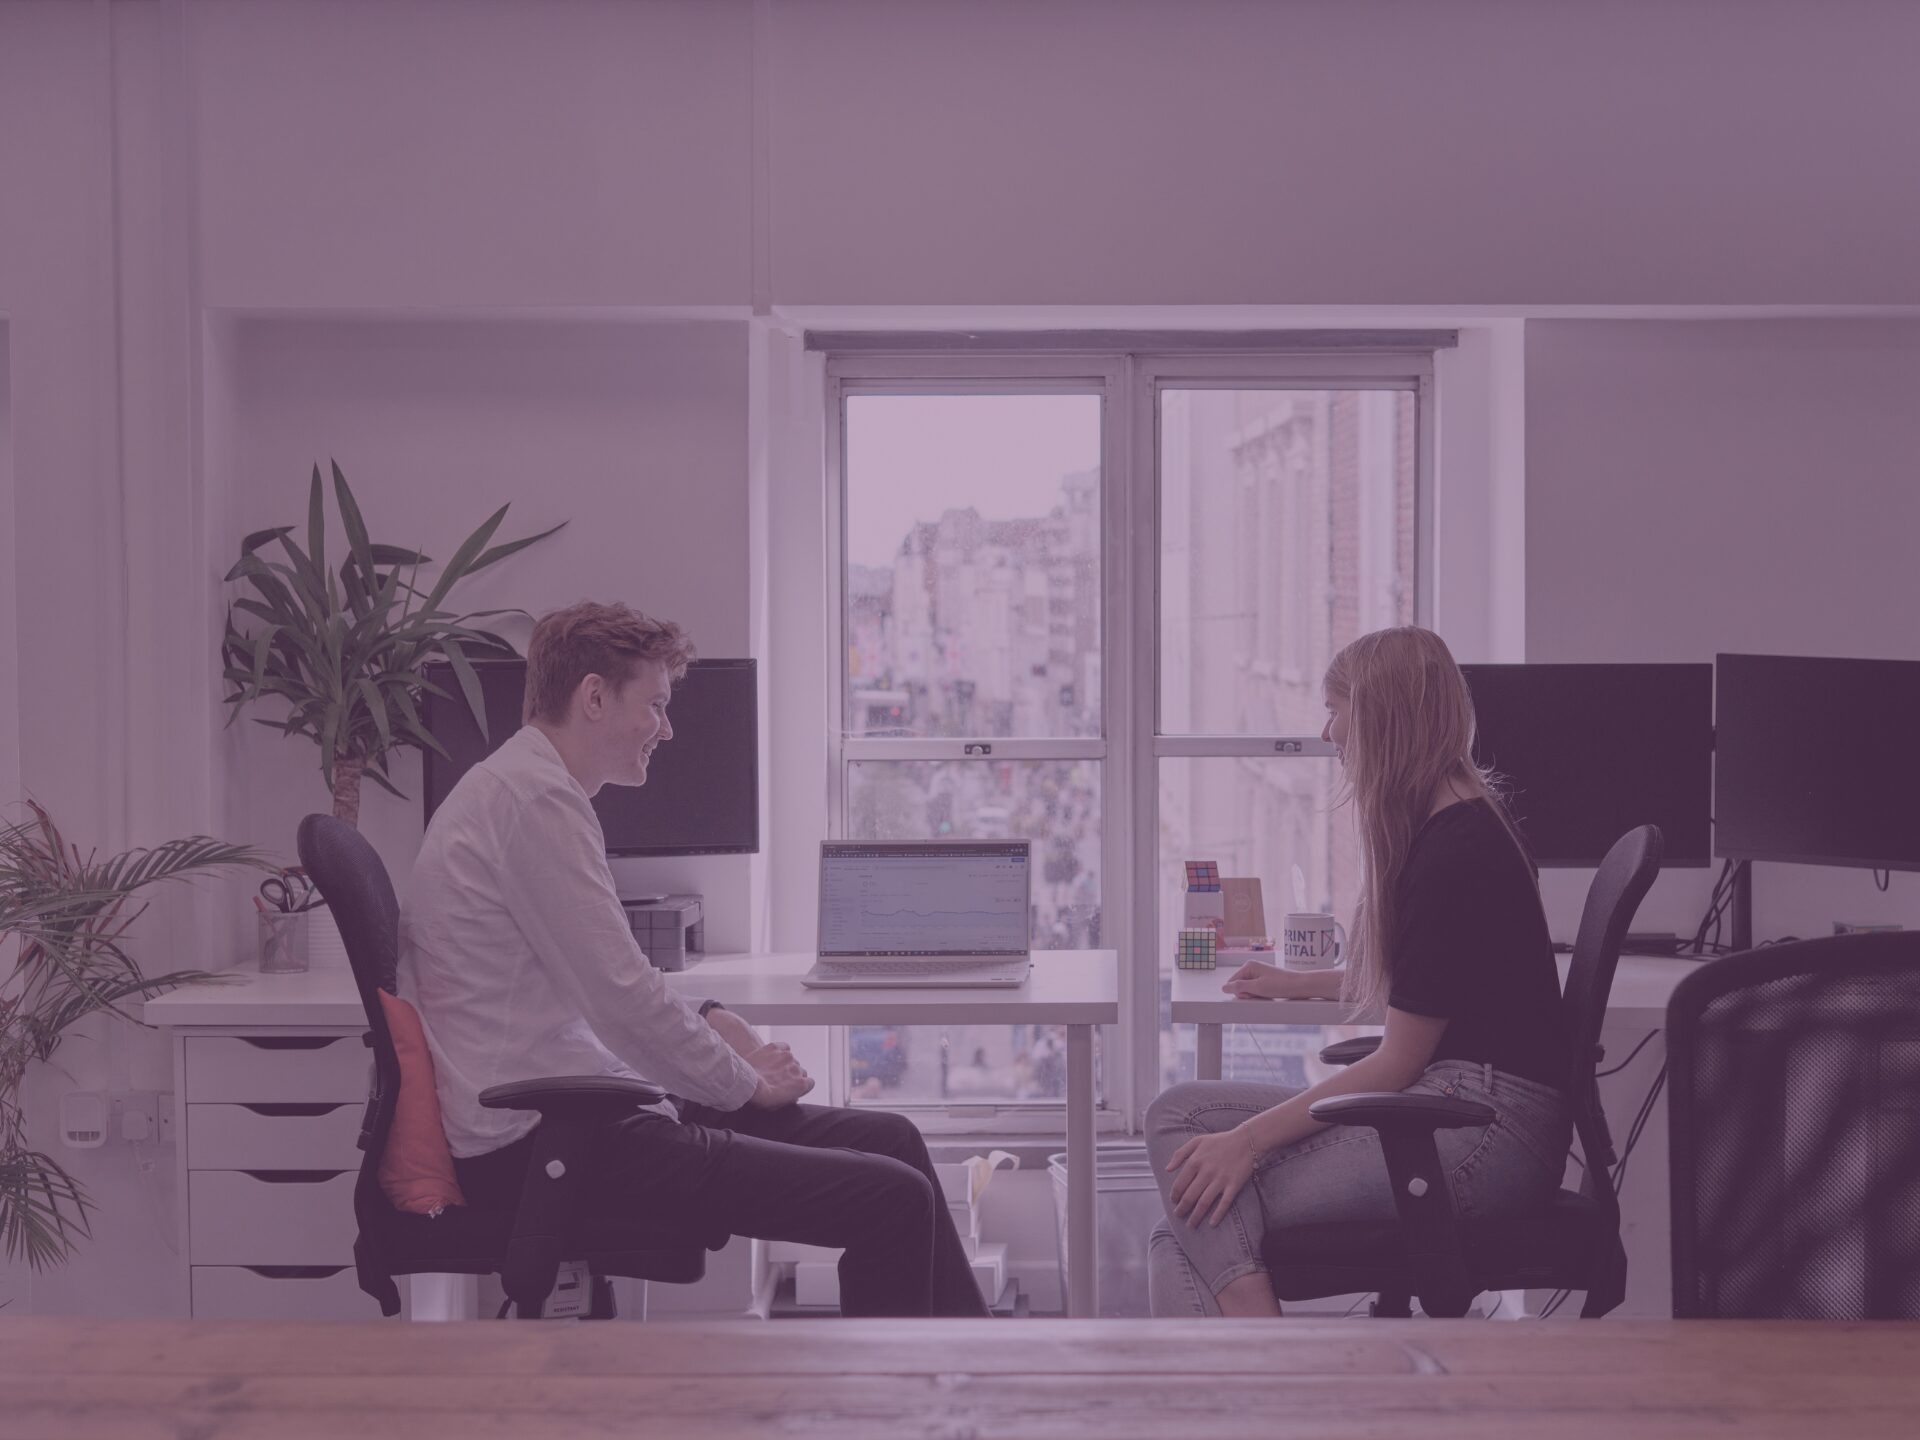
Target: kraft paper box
(962,1181)
(1246,916)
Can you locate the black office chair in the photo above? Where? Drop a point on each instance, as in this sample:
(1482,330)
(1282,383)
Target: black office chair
(1572,1243)
(1794,1132)
(523,1245)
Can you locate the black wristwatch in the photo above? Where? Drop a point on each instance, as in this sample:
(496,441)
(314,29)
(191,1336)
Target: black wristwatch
(706,1005)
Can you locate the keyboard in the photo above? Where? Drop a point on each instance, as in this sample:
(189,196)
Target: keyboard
(918,974)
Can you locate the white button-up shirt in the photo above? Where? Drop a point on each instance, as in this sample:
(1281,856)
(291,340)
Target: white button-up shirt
(516,953)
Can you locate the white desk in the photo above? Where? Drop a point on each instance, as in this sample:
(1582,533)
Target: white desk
(1641,987)
(1075,988)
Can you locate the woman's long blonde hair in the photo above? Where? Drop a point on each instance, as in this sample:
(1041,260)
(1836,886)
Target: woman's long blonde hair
(1409,733)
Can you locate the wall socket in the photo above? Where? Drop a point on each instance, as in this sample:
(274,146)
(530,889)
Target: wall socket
(135,1115)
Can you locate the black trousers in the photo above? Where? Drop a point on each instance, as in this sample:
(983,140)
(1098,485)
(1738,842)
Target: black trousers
(858,1180)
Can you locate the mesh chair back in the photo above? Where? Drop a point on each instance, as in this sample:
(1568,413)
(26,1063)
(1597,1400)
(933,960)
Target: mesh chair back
(1613,899)
(1795,1132)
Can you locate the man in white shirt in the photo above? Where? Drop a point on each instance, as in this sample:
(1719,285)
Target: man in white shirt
(520,960)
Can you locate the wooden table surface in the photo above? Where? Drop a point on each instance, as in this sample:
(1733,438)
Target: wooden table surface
(848,1380)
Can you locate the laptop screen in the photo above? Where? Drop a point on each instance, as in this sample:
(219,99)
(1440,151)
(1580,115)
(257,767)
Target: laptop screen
(935,899)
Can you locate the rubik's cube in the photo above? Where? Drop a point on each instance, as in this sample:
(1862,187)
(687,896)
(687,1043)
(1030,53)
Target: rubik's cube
(1199,950)
(1203,875)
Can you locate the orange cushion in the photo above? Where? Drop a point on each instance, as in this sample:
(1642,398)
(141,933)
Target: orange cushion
(417,1170)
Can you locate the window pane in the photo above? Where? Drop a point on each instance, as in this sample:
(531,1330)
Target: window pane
(1056,804)
(973,565)
(1256,817)
(1286,529)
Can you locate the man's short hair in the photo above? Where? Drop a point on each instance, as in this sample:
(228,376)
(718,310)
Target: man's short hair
(589,638)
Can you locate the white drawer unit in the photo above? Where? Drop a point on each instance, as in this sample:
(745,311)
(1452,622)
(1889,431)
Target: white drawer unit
(275,1135)
(271,1074)
(280,1292)
(270,1217)
(267,1069)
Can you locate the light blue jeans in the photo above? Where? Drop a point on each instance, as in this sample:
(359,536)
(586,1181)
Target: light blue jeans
(1508,1167)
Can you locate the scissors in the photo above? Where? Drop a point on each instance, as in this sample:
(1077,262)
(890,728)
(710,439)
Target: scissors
(290,892)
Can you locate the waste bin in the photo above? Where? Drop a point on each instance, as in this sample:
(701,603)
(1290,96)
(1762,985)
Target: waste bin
(1126,1203)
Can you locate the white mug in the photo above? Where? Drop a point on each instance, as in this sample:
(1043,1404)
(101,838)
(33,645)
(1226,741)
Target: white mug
(1312,942)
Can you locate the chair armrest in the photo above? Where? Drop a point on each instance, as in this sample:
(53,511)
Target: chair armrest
(572,1094)
(1345,1052)
(573,1109)
(1406,1124)
(1399,1110)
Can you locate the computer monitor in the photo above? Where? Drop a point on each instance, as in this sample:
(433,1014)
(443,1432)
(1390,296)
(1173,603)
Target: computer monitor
(1591,751)
(702,793)
(1818,761)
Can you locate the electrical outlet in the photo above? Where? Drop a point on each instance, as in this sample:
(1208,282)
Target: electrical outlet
(166,1117)
(135,1115)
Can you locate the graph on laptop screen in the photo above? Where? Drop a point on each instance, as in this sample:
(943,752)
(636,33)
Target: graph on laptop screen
(932,900)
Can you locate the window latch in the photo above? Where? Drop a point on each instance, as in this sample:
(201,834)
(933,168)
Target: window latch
(976,747)
(1286,747)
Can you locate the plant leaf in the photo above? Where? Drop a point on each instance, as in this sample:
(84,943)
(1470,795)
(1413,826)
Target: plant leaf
(354,525)
(376,707)
(500,552)
(395,555)
(463,557)
(317,522)
(469,685)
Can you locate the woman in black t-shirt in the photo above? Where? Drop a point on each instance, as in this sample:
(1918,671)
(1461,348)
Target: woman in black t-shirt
(1449,940)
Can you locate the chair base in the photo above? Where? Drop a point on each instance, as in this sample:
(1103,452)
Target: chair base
(443,1297)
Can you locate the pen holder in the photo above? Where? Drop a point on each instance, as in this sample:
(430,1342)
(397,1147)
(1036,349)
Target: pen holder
(283,942)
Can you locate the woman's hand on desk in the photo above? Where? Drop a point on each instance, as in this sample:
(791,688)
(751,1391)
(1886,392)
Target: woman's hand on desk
(1258,981)
(782,1081)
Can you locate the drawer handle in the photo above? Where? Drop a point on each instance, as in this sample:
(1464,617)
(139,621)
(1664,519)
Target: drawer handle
(293,1177)
(290,1042)
(290,1107)
(295,1272)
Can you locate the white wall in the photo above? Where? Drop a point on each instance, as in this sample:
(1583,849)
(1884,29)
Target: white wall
(433,152)
(473,152)
(179,172)
(1727,486)
(1296,152)
(634,435)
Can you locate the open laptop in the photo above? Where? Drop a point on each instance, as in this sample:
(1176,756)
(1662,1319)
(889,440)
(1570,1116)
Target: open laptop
(932,913)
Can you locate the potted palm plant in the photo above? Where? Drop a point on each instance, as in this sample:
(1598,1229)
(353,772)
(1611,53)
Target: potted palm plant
(344,649)
(69,917)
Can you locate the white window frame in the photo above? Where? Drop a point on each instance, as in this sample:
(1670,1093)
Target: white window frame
(1101,375)
(1406,370)
(1130,747)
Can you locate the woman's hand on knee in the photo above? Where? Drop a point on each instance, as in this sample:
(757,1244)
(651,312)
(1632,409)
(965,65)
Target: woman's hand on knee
(1213,1170)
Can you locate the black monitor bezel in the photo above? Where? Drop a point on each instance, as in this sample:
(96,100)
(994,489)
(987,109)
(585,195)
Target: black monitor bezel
(1749,854)
(627,852)
(1702,860)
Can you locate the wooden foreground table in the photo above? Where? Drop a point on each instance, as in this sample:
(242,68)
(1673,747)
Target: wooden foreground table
(848,1380)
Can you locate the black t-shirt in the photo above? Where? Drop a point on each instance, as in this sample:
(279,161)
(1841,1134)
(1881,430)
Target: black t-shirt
(1471,946)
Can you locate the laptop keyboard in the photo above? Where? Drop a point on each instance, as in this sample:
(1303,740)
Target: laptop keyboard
(929,969)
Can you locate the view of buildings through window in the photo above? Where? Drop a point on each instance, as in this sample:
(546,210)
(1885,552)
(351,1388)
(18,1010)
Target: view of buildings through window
(971,589)
(1287,528)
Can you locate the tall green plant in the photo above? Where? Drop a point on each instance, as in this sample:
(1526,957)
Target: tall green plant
(69,916)
(345,649)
